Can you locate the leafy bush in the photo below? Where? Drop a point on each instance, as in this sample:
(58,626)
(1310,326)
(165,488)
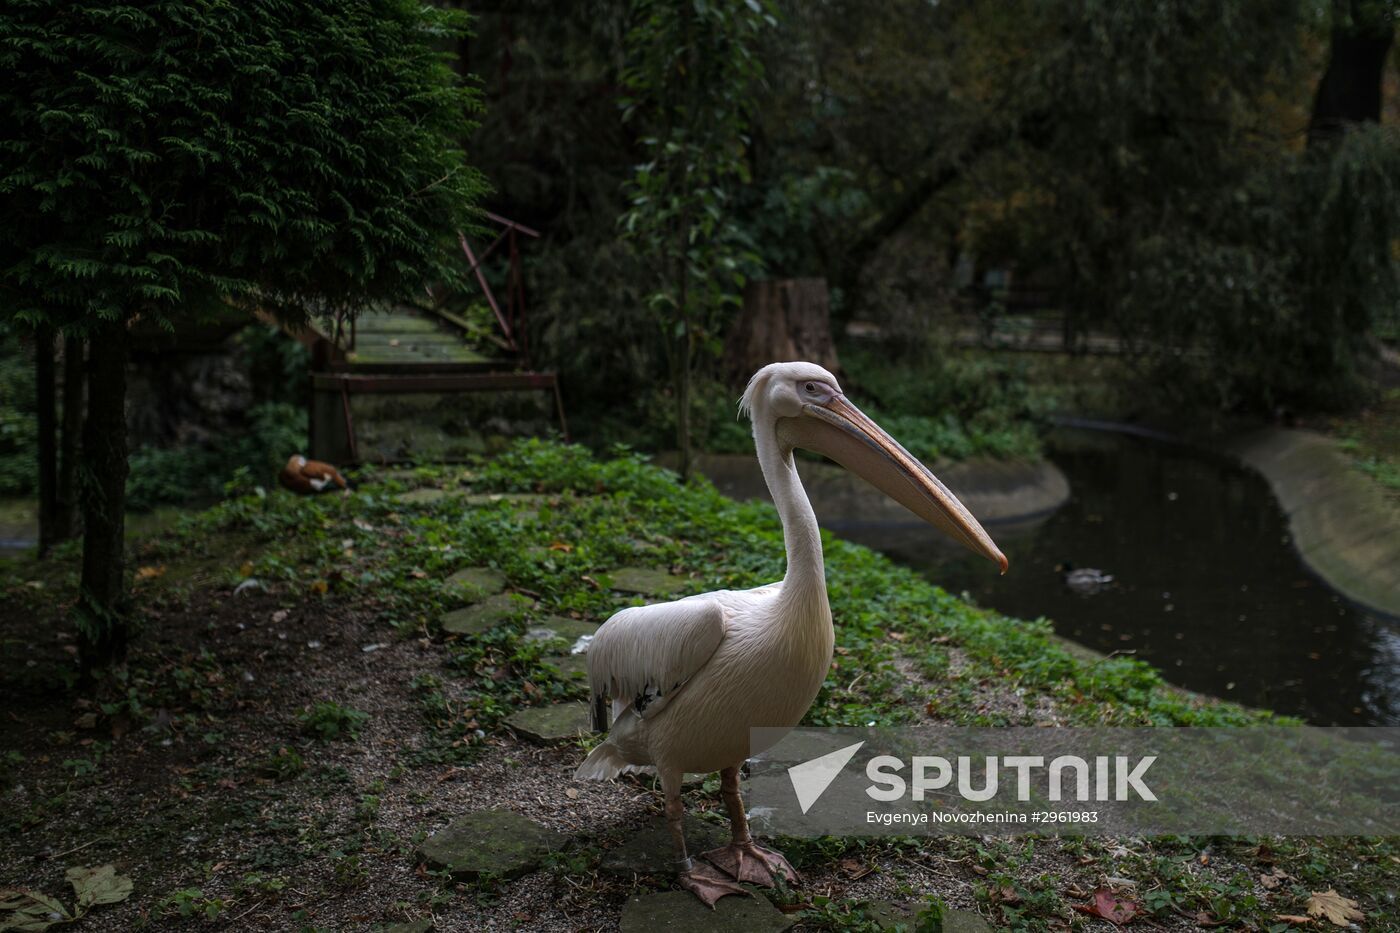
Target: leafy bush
(942,405)
(328,721)
(173,475)
(19,428)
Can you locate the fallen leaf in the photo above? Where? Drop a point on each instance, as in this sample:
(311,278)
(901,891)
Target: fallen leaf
(1204,919)
(560,546)
(86,721)
(281,615)
(320,586)
(150,572)
(1273,879)
(1109,906)
(30,911)
(100,885)
(855,868)
(1339,911)
(571,793)
(246,570)
(1008,895)
(1293,918)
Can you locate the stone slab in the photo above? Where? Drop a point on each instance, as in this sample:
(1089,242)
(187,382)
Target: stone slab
(572,666)
(682,912)
(649,851)
(965,921)
(425,496)
(485,615)
(571,630)
(485,581)
(500,843)
(645,581)
(549,725)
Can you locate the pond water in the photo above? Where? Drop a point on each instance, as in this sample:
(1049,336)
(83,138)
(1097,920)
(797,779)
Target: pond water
(1206,587)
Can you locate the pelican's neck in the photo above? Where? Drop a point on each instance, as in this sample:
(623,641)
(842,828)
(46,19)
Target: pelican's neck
(806,573)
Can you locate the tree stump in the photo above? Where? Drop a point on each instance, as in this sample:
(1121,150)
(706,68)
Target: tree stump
(782,320)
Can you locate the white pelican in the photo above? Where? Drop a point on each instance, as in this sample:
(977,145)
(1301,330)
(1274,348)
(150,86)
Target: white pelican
(688,679)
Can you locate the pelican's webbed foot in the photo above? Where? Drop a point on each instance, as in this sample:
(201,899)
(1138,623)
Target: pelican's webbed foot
(706,883)
(749,861)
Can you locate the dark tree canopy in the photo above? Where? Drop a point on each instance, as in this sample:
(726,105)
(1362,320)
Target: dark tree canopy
(160,158)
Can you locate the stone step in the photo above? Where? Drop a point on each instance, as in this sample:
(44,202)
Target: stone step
(572,666)
(500,843)
(558,627)
(480,581)
(682,912)
(649,851)
(551,725)
(646,581)
(485,615)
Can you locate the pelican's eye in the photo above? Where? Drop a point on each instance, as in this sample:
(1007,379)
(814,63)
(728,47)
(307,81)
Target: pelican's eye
(811,388)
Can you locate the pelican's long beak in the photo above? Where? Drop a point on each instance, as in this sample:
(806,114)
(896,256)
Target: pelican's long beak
(839,430)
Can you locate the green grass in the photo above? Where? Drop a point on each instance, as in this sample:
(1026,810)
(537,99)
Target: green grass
(1372,439)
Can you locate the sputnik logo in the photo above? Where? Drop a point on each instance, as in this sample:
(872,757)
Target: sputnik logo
(811,778)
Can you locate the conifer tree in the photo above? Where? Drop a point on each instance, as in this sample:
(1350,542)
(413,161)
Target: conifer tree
(159,160)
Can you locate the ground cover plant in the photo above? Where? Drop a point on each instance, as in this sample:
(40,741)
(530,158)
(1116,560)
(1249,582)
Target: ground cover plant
(294,721)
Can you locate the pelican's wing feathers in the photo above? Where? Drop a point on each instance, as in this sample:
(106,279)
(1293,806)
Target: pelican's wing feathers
(644,653)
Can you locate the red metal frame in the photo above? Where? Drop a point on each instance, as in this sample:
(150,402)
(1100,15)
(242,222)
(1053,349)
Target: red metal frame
(333,373)
(512,318)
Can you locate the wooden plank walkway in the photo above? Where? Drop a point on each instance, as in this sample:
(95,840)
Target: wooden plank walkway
(407,335)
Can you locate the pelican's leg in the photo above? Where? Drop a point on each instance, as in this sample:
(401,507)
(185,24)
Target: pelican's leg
(743,859)
(696,877)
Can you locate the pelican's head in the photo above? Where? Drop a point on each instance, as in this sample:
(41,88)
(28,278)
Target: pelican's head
(805,407)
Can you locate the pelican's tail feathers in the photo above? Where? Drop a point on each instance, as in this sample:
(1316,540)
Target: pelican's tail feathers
(603,763)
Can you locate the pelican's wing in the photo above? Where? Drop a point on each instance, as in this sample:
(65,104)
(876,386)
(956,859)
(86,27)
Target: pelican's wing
(643,654)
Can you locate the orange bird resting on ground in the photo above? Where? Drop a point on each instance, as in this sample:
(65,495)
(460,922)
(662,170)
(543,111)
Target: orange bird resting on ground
(308,477)
(688,679)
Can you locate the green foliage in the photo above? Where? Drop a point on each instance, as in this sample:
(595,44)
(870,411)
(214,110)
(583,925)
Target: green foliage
(329,721)
(283,764)
(190,473)
(276,364)
(188,903)
(165,158)
(691,78)
(19,426)
(1150,170)
(943,405)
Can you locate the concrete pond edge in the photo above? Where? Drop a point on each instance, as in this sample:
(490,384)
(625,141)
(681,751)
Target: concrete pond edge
(1341,522)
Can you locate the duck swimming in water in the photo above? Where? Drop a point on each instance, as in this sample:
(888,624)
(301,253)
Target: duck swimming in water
(1083,579)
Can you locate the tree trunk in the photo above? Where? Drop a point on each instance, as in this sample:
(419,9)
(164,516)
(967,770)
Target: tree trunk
(74,378)
(1350,89)
(102,595)
(48,436)
(782,320)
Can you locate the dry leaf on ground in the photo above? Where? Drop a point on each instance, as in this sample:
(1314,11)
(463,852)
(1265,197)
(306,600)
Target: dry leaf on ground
(1339,911)
(1108,905)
